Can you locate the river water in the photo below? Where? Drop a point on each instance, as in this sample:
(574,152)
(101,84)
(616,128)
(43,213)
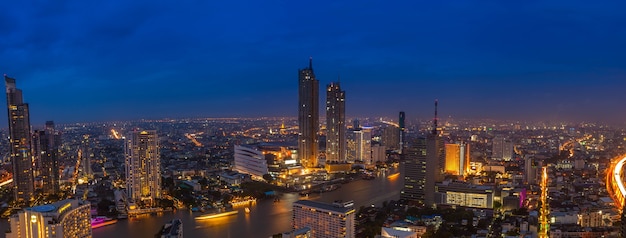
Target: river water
(265,218)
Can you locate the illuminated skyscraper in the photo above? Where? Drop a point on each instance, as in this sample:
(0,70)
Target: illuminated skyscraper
(46,152)
(391,137)
(143,167)
(360,145)
(416,171)
(69,218)
(325,220)
(424,166)
(457,158)
(19,136)
(402,128)
(335,123)
(308,116)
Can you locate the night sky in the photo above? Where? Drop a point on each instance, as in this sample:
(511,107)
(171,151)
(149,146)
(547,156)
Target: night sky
(79,61)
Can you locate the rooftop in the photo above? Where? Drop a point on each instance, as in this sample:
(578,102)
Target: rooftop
(336,207)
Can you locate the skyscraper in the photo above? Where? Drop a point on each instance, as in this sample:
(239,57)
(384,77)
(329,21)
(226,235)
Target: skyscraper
(19,136)
(424,165)
(391,137)
(335,123)
(308,116)
(360,145)
(416,172)
(46,152)
(325,220)
(402,128)
(143,167)
(457,158)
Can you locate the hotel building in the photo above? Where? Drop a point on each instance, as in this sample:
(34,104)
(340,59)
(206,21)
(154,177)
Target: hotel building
(325,220)
(70,218)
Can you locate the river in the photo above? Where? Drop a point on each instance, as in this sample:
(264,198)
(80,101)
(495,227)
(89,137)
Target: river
(265,218)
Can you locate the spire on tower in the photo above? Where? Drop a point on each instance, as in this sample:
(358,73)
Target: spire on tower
(311,62)
(434,131)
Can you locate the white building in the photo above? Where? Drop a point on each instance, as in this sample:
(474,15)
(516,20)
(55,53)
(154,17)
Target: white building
(360,145)
(325,220)
(143,167)
(250,160)
(70,218)
(392,232)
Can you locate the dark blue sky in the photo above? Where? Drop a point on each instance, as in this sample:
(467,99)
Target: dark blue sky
(104,60)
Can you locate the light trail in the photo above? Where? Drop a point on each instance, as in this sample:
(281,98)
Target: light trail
(116,135)
(614,184)
(193,139)
(6,182)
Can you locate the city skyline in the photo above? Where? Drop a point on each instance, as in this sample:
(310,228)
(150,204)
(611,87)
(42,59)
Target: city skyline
(540,61)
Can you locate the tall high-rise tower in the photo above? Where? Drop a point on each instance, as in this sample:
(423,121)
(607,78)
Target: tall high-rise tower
(308,116)
(19,136)
(143,166)
(402,128)
(424,163)
(46,152)
(335,123)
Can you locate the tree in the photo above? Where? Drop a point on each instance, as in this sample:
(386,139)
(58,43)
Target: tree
(268,177)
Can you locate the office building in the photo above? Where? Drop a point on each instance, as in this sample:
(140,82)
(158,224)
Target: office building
(250,160)
(335,123)
(20,140)
(424,166)
(46,152)
(457,158)
(325,220)
(70,218)
(308,116)
(143,167)
(502,148)
(379,153)
(416,172)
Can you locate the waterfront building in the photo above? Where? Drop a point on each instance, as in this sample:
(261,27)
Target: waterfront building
(457,158)
(46,152)
(143,167)
(325,220)
(360,144)
(20,140)
(308,116)
(70,218)
(335,123)
(250,160)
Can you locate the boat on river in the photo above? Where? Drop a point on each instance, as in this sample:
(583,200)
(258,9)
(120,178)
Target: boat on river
(216,215)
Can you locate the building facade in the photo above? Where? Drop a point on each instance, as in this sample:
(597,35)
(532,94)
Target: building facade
(249,160)
(457,158)
(308,116)
(143,167)
(20,140)
(502,148)
(46,152)
(335,123)
(416,172)
(325,220)
(70,218)
(359,145)
(391,137)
